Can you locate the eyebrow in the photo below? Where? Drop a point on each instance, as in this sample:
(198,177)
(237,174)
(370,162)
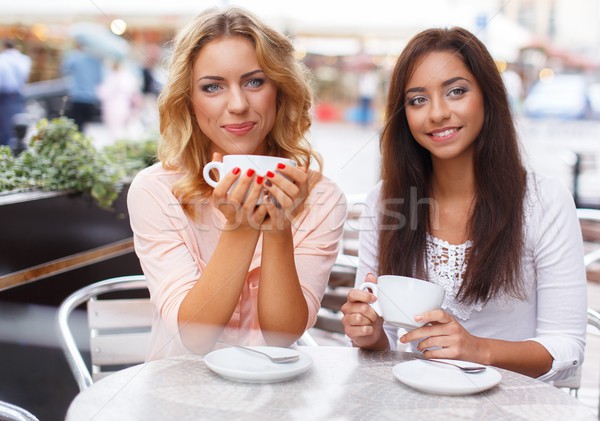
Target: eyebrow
(244,76)
(444,83)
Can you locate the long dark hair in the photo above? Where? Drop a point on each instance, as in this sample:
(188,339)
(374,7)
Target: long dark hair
(496,223)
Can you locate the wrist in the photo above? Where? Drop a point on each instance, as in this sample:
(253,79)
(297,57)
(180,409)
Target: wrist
(279,234)
(485,352)
(239,230)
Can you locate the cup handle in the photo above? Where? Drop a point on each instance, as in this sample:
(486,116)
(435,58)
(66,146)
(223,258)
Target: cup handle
(373,287)
(213,165)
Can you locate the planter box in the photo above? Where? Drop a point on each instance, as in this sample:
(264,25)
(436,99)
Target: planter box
(56,242)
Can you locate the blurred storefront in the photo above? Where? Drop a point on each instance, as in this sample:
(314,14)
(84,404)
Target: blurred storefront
(47,43)
(334,38)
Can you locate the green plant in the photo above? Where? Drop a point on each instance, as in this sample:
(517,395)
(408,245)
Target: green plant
(132,156)
(60,157)
(8,177)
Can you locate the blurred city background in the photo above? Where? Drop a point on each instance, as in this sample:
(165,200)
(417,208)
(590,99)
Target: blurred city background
(547,50)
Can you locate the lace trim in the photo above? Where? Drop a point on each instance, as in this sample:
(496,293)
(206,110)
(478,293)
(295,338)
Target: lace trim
(446,267)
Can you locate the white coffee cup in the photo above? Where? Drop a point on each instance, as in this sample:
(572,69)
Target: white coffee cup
(401,298)
(259,163)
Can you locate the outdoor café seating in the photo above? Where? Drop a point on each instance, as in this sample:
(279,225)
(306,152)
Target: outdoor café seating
(123,354)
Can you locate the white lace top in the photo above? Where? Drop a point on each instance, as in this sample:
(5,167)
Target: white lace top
(553,312)
(446,267)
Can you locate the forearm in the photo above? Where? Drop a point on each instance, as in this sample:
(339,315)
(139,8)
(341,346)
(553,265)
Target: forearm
(282,308)
(527,357)
(208,306)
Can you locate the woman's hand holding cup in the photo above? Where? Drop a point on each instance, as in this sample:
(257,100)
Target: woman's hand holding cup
(236,195)
(287,190)
(361,323)
(442,336)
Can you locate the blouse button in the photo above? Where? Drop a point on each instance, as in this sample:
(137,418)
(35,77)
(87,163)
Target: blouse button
(575,362)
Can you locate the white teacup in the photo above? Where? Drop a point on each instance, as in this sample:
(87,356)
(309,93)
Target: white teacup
(401,298)
(259,163)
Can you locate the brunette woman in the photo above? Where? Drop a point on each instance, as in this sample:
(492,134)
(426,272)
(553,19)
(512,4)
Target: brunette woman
(457,207)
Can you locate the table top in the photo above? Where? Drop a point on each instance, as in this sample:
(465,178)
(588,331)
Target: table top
(343,383)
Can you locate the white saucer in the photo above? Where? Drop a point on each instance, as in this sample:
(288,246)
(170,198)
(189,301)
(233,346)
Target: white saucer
(441,380)
(243,366)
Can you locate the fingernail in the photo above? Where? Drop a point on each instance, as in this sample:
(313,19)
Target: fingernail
(259,179)
(418,318)
(270,174)
(280,166)
(236,170)
(402,339)
(250,172)
(268,182)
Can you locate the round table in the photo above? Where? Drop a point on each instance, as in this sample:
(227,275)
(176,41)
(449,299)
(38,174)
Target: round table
(343,383)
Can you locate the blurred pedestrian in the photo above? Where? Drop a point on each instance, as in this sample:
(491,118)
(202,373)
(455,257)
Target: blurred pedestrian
(514,87)
(14,72)
(151,86)
(120,96)
(150,83)
(368,84)
(84,73)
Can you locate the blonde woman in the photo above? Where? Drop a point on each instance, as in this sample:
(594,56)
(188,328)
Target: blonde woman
(219,265)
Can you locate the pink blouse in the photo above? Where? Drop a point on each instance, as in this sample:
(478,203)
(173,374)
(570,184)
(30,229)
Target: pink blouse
(174,249)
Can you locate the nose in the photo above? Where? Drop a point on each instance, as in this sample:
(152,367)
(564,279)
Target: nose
(237,101)
(439,110)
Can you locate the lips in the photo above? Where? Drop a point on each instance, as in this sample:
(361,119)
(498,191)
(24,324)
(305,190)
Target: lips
(239,129)
(443,134)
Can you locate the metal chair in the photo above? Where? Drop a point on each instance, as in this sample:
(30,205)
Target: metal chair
(341,280)
(593,317)
(10,412)
(119,328)
(594,320)
(590,220)
(343,273)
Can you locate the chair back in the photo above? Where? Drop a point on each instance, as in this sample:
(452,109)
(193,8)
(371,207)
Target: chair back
(10,412)
(343,273)
(590,226)
(341,280)
(119,328)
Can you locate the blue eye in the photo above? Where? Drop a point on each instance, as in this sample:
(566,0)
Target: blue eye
(210,88)
(255,83)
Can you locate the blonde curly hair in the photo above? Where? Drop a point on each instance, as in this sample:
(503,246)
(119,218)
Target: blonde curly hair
(184,147)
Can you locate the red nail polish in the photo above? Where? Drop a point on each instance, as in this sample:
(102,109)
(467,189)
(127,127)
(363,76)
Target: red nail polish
(236,170)
(268,183)
(270,174)
(280,166)
(259,179)
(250,172)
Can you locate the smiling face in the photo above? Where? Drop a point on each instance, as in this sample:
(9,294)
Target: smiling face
(233,100)
(444,106)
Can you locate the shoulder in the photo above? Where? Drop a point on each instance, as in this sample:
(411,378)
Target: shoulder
(154,178)
(326,200)
(324,189)
(549,206)
(545,193)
